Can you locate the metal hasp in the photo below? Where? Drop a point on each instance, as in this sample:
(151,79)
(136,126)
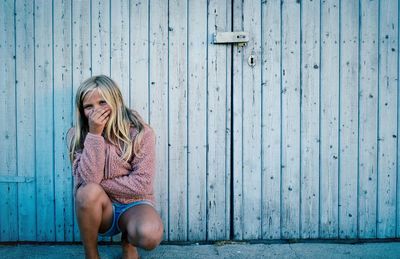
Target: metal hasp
(237,37)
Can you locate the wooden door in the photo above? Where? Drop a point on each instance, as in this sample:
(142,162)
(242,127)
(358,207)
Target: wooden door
(315,121)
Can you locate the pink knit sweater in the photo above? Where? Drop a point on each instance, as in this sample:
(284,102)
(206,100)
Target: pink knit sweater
(125,182)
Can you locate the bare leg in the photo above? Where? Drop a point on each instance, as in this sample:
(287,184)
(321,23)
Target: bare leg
(128,251)
(94,213)
(142,227)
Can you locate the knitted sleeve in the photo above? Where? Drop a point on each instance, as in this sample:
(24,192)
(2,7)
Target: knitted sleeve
(140,180)
(88,165)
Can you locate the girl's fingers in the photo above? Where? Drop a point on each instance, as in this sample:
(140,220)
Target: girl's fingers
(98,113)
(105,119)
(105,114)
(93,115)
(101,118)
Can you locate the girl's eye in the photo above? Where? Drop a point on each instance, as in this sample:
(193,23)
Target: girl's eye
(103,102)
(88,107)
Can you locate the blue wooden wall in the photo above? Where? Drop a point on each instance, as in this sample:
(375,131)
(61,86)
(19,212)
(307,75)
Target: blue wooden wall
(302,145)
(315,123)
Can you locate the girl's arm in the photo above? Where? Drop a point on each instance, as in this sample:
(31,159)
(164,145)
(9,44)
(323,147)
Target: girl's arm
(88,165)
(140,179)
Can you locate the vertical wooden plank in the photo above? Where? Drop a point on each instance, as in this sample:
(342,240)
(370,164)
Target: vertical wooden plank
(271,119)
(237,97)
(81,58)
(139,58)
(348,120)
(228,126)
(25,119)
(368,118)
(8,137)
(62,120)
(177,120)
(310,104)
(120,34)
(44,121)
(290,119)
(100,37)
(197,100)
(329,119)
(217,66)
(252,123)
(398,130)
(101,43)
(159,102)
(387,128)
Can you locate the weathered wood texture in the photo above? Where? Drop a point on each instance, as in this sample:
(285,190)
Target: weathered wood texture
(8,137)
(329,119)
(313,147)
(368,116)
(161,54)
(326,78)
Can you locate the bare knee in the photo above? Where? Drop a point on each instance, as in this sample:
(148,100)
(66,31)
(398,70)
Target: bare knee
(147,235)
(88,195)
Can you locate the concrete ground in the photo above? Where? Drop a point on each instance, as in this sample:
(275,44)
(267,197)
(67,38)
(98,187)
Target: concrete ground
(218,250)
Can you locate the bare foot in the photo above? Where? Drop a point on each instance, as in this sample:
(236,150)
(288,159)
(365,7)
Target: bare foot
(92,255)
(129,251)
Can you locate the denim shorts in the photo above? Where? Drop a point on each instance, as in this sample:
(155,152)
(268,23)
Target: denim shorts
(118,209)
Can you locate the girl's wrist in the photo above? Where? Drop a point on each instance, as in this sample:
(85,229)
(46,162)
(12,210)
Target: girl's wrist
(96,132)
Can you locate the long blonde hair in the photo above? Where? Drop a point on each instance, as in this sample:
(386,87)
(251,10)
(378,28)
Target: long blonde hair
(117,129)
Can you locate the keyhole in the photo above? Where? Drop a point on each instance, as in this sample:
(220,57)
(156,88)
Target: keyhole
(251,61)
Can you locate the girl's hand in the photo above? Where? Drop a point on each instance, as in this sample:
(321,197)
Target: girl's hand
(98,119)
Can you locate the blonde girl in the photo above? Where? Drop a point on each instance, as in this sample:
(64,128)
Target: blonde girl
(112,151)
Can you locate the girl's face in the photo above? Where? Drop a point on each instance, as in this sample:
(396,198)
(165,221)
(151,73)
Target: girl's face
(94,101)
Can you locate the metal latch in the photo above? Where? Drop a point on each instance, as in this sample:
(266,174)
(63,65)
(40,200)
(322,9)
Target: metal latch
(237,37)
